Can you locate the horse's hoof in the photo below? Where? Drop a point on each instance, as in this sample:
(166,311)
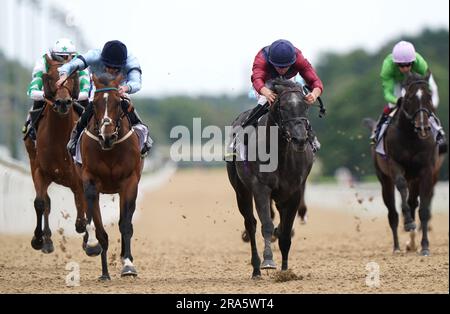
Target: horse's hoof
(129,271)
(37,244)
(411,226)
(268,264)
(257,277)
(48,248)
(425,252)
(80,225)
(397,252)
(304,220)
(245,236)
(104,278)
(93,250)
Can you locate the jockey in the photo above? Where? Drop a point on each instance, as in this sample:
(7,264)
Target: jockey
(402,60)
(282,59)
(61,50)
(114,59)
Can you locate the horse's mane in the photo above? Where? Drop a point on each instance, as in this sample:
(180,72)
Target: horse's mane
(283,82)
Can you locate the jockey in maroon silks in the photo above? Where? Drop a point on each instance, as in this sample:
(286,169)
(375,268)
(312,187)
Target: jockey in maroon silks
(282,59)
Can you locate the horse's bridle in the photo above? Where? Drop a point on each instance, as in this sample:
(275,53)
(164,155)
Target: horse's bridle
(278,119)
(50,101)
(412,117)
(106,121)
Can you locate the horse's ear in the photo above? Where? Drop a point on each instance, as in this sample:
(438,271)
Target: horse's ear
(427,75)
(96,80)
(46,84)
(48,59)
(399,102)
(118,79)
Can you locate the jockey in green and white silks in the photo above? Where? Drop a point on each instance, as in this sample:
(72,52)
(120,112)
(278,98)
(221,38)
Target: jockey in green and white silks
(62,49)
(402,60)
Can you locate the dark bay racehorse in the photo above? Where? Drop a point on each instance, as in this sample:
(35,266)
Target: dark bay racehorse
(285,185)
(49,159)
(111,164)
(413,161)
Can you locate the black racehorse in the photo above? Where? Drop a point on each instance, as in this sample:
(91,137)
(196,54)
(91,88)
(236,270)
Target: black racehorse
(284,185)
(413,161)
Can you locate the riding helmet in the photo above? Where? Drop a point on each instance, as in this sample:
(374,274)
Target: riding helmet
(282,53)
(114,54)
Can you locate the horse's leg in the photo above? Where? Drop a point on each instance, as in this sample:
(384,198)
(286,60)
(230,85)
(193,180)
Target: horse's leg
(90,243)
(262,201)
(426,193)
(245,205)
(128,195)
(287,216)
(48,243)
(402,187)
(102,237)
(41,205)
(80,203)
(413,203)
(388,192)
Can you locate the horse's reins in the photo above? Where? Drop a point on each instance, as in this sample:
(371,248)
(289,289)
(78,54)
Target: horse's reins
(107,122)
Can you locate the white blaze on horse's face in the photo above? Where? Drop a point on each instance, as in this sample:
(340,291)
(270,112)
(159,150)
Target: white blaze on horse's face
(419,94)
(106,119)
(295,98)
(403,92)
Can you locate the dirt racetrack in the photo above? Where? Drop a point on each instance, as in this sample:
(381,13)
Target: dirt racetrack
(187,239)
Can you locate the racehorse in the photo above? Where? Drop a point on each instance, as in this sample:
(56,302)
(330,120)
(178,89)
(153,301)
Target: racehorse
(285,185)
(111,163)
(412,161)
(49,159)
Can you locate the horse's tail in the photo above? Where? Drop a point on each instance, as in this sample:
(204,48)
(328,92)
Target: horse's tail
(369,123)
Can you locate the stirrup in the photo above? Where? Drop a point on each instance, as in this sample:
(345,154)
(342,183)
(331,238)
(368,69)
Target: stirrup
(146,150)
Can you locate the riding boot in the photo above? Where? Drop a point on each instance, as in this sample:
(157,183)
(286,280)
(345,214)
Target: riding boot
(374,137)
(81,125)
(441,140)
(135,119)
(29,123)
(255,114)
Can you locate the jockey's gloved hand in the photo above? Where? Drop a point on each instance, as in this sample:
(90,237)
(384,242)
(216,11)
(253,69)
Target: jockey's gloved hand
(124,89)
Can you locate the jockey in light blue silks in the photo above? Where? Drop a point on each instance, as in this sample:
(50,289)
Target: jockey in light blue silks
(113,59)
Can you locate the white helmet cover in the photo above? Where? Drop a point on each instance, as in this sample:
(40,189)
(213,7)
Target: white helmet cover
(64,46)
